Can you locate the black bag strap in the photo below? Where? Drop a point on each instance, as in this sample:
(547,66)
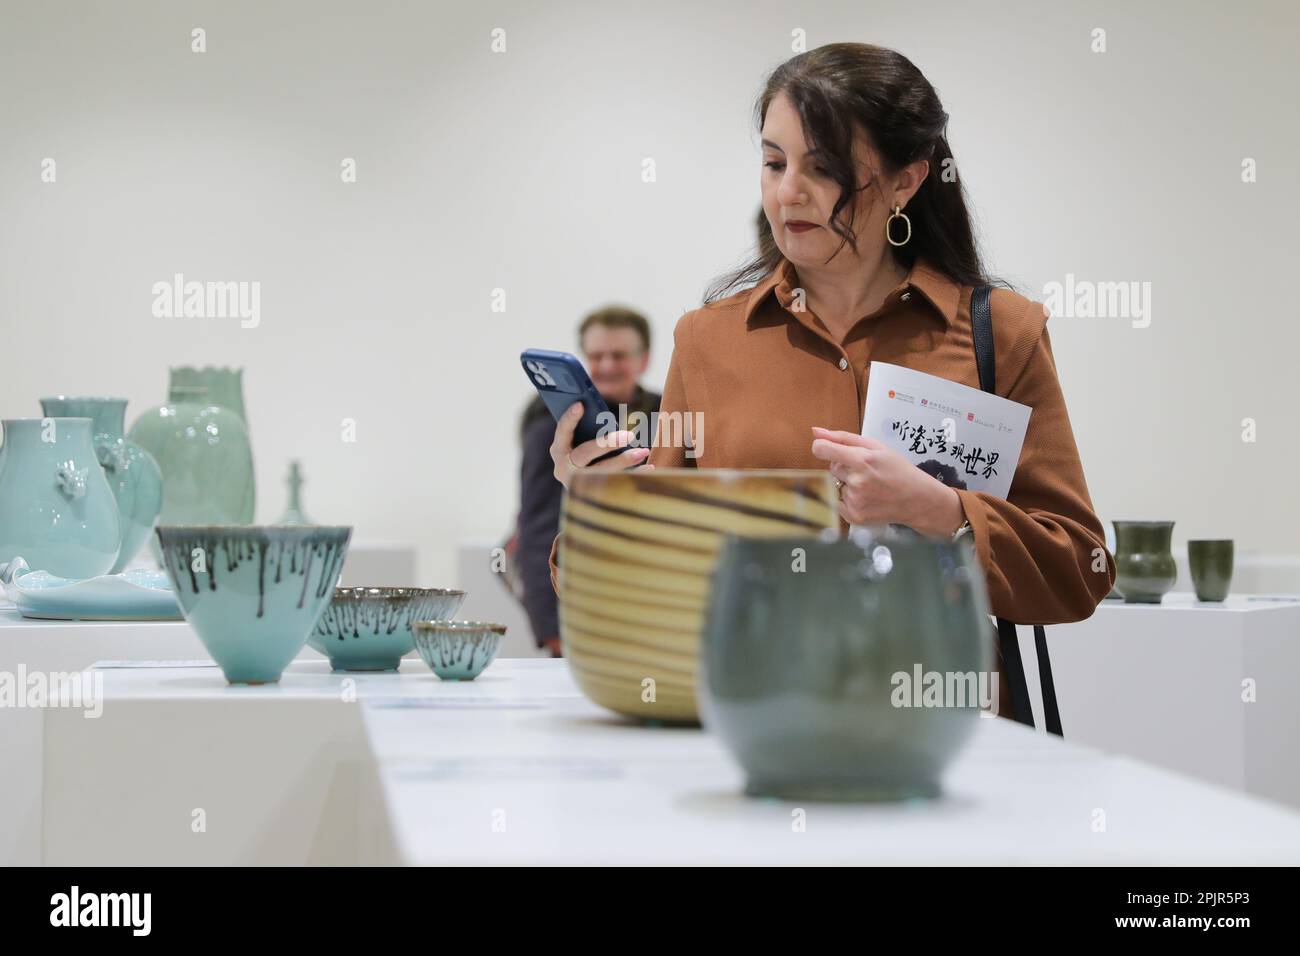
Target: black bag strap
(1051,713)
(1014,668)
(982,332)
(981,319)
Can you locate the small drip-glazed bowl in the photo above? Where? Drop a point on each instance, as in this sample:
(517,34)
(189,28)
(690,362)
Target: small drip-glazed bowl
(369,629)
(458,650)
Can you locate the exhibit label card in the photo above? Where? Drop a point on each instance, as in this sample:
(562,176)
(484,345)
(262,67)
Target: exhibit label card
(965,437)
(460,703)
(133,664)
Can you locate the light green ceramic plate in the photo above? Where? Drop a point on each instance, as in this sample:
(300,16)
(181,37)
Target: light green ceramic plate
(139,594)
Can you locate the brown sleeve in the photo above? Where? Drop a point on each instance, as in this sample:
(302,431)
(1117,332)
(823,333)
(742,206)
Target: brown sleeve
(1043,550)
(667,450)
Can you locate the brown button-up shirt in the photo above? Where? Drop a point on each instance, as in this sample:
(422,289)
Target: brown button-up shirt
(762,372)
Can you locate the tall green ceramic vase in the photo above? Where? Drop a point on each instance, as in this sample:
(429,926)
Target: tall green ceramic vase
(132,474)
(56,510)
(200,441)
(1144,560)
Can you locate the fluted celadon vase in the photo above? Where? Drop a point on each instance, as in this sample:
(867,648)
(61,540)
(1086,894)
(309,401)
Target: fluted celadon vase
(200,440)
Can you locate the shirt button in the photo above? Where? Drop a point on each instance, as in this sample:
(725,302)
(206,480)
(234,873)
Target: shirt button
(844,363)
(905,296)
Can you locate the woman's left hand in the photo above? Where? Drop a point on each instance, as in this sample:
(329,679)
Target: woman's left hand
(881,486)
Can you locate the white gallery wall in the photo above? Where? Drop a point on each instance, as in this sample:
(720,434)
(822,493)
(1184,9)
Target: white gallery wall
(522,171)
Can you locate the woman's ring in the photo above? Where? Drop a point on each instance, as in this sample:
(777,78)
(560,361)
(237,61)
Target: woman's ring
(568,456)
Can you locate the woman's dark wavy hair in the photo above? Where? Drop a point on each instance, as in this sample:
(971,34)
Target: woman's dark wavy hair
(842,86)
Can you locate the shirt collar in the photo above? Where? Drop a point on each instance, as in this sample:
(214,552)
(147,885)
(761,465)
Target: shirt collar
(943,294)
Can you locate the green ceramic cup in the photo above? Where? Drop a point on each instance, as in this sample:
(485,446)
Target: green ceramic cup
(1211,564)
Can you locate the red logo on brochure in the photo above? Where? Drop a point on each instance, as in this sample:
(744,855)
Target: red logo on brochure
(970,416)
(891,393)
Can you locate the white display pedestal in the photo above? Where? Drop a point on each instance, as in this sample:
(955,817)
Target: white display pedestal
(57,647)
(60,647)
(1164,683)
(277,771)
(517,768)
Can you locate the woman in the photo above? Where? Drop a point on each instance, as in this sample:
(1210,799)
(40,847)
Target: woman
(873,259)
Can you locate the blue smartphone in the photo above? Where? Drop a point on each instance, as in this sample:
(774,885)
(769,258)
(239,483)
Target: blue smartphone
(561,380)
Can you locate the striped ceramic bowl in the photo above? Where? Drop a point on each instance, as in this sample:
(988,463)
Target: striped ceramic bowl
(635,560)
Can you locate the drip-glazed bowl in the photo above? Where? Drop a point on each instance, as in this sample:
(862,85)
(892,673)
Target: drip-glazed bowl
(369,629)
(458,650)
(253,593)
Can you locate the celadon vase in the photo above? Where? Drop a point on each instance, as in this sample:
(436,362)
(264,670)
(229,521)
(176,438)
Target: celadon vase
(57,511)
(1144,560)
(132,474)
(200,441)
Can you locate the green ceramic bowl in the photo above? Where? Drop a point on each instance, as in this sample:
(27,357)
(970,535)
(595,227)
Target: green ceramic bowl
(846,669)
(253,594)
(369,629)
(457,650)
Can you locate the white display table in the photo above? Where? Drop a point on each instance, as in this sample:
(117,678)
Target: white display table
(518,768)
(53,647)
(1165,683)
(277,771)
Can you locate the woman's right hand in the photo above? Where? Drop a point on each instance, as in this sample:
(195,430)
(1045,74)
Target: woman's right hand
(569,459)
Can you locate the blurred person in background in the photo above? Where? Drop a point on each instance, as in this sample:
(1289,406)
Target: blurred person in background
(615,347)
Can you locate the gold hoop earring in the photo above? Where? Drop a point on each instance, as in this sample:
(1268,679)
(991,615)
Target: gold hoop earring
(898,214)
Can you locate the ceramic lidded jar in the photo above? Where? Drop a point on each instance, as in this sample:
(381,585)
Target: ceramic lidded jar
(1144,560)
(846,668)
(294,513)
(57,512)
(635,558)
(132,474)
(200,442)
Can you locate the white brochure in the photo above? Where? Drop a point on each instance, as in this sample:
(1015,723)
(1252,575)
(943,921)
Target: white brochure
(965,437)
